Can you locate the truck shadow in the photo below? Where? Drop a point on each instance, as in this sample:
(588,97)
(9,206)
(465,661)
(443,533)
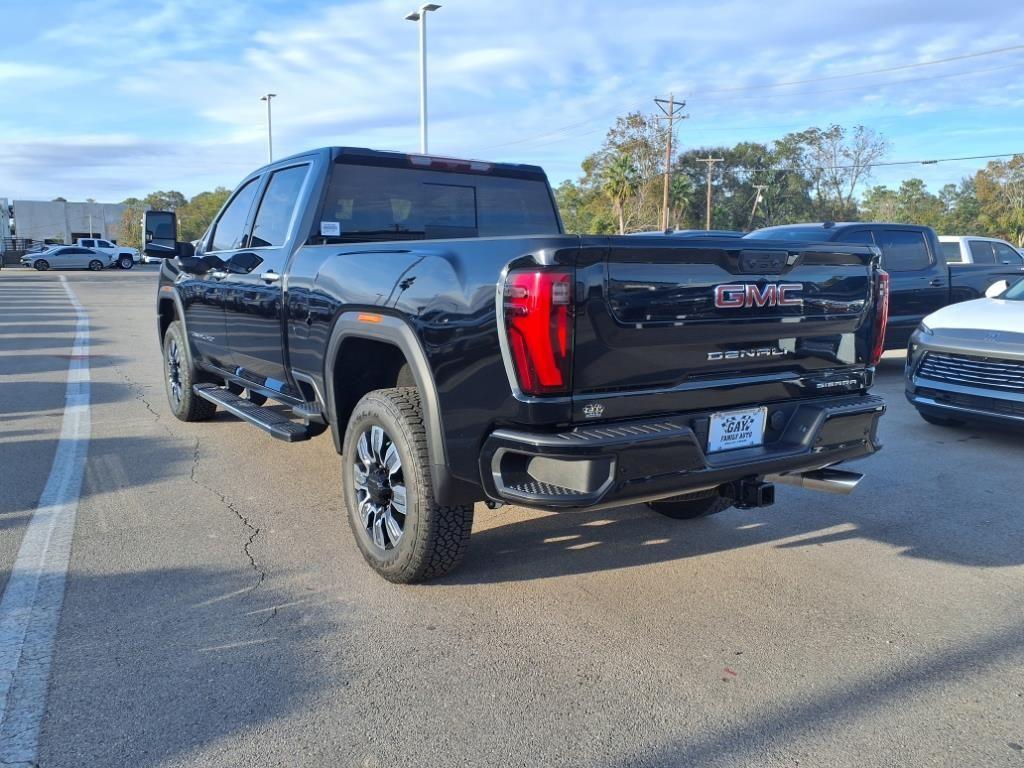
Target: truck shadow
(958,527)
(752,740)
(153,666)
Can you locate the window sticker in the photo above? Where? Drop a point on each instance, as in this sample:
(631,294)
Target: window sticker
(330,228)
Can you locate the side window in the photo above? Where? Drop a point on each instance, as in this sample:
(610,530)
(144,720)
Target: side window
(981,252)
(1006,255)
(903,250)
(103,244)
(951,252)
(858,236)
(230,228)
(89,243)
(274,218)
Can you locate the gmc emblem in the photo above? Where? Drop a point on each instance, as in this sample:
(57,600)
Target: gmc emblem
(751,295)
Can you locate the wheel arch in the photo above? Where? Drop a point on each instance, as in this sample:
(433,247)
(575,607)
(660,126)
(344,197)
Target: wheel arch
(350,336)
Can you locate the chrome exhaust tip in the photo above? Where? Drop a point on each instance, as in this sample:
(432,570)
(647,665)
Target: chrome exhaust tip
(827,480)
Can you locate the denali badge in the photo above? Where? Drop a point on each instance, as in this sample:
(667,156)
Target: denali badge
(831,384)
(593,410)
(751,295)
(741,354)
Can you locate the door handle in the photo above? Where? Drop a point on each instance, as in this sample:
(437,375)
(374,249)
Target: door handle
(270,276)
(935,282)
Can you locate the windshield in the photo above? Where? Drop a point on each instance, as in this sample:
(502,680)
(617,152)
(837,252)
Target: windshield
(368,202)
(1015,292)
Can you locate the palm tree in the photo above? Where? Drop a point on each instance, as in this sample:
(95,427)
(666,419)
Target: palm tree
(619,184)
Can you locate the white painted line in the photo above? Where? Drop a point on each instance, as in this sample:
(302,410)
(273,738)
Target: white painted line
(32,599)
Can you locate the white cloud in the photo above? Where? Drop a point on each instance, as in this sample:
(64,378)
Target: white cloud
(534,81)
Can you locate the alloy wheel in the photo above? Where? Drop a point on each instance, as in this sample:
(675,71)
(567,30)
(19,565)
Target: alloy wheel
(380,488)
(174,371)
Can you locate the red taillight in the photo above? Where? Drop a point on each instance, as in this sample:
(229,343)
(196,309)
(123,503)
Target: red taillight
(881,315)
(538,321)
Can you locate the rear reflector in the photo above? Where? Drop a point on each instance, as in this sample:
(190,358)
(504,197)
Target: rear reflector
(881,315)
(538,322)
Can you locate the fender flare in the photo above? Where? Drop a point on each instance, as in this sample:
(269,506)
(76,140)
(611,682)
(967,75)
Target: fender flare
(395,331)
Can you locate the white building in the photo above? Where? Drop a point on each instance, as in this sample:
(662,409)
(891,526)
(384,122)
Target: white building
(58,220)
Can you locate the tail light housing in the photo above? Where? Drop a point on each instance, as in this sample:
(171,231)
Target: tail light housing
(537,305)
(881,315)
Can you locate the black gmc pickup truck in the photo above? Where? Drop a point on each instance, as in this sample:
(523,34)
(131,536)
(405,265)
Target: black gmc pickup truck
(922,281)
(433,316)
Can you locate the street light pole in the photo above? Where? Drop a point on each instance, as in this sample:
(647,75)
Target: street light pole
(421,17)
(270,136)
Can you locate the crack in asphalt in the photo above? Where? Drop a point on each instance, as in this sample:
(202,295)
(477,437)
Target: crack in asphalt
(261,573)
(140,395)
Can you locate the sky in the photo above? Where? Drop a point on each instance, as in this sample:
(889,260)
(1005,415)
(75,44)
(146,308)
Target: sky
(108,99)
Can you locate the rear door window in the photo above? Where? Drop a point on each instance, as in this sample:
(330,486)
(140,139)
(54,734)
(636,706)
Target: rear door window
(89,243)
(1006,255)
(981,252)
(903,250)
(951,252)
(229,232)
(277,208)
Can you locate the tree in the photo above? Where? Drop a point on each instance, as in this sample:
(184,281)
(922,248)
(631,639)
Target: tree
(1000,190)
(164,201)
(195,216)
(620,182)
(131,223)
(835,161)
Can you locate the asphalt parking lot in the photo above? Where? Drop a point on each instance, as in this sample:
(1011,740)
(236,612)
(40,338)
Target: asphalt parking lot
(217,613)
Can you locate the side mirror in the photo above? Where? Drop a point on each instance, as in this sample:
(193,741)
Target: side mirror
(160,233)
(243,263)
(996,289)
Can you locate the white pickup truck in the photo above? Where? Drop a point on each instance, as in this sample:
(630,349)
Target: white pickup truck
(122,256)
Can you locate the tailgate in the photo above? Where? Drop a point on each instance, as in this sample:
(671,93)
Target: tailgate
(664,326)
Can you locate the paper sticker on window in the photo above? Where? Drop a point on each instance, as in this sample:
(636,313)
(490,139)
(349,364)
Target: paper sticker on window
(330,228)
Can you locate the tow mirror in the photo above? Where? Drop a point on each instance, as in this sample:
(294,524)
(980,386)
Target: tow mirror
(160,233)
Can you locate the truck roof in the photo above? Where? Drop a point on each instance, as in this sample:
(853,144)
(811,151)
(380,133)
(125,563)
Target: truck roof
(366,156)
(832,226)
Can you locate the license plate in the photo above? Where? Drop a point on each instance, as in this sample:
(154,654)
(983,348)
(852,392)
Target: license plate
(736,429)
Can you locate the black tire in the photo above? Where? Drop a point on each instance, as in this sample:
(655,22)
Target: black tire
(96,265)
(686,507)
(41,264)
(938,421)
(185,404)
(433,537)
(126,261)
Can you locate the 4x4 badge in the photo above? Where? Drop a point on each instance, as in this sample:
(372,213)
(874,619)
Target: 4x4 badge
(593,410)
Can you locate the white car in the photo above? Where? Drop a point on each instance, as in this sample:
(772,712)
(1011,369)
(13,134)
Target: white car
(123,256)
(966,361)
(68,257)
(971,249)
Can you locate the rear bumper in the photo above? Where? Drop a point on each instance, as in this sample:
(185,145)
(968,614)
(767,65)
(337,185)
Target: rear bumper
(625,462)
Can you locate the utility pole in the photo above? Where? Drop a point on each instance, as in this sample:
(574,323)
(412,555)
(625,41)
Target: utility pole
(711,164)
(270,135)
(760,188)
(671,112)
